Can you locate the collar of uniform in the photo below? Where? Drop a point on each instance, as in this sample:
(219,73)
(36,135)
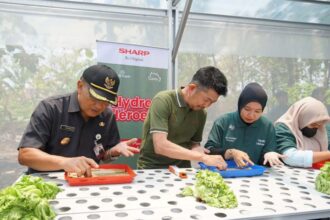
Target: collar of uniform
(242,124)
(74,104)
(179,98)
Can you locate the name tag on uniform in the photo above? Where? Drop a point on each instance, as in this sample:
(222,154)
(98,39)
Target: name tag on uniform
(99,151)
(67,128)
(261,142)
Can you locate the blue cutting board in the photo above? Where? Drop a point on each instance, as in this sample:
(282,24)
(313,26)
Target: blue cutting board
(234,171)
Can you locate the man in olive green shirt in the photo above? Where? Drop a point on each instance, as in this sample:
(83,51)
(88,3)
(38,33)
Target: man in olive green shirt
(173,129)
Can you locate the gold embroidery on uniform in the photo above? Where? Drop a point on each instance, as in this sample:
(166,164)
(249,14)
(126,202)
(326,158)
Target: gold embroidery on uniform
(109,83)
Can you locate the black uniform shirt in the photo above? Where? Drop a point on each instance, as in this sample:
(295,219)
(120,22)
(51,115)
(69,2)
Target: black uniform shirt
(58,128)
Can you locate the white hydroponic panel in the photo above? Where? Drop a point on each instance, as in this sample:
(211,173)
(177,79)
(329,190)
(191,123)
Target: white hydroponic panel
(281,193)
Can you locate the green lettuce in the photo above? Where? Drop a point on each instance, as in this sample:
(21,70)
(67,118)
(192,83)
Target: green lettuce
(211,189)
(322,182)
(28,199)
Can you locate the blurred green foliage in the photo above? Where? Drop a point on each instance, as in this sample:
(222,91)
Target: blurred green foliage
(298,77)
(27,77)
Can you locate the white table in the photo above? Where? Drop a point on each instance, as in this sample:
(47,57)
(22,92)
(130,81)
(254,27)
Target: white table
(281,193)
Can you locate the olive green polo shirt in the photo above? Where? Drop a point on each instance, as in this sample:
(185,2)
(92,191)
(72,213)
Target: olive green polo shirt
(169,114)
(229,131)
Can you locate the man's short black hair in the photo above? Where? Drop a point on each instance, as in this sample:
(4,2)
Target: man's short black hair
(210,77)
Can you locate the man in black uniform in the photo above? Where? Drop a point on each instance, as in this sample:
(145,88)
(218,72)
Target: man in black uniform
(73,132)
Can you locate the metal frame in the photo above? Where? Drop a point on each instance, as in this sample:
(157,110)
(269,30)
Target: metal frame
(313,1)
(171,67)
(82,6)
(257,21)
(176,30)
(179,33)
(177,20)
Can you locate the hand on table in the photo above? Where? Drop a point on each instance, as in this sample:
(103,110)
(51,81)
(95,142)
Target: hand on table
(215,160)
(273,158)
(79,165)
(241,158)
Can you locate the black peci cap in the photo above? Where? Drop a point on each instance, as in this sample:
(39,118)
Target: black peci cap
(103,81)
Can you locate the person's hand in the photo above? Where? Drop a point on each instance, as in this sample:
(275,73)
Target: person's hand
(241,158)
(201,149)
(122,148)
(273,158)
(206,151)
(215,160)
(79,165)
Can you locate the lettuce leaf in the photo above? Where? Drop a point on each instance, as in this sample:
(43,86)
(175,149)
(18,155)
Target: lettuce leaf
(212,189)
(322,181)
(28,199)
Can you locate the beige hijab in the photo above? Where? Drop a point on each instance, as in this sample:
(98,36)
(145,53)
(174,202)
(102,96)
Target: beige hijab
(302,113)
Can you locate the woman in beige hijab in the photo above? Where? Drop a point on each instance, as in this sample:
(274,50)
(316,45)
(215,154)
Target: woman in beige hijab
(301,133)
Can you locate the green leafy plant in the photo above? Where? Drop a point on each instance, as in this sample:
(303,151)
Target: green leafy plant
(322,182)
(212,189)
(28,199)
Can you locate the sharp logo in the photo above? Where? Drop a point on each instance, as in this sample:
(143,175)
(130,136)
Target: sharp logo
(134,52)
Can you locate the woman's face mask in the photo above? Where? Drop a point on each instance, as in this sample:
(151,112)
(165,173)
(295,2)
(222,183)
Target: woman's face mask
(309,132)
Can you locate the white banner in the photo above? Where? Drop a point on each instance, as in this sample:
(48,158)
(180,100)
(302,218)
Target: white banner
(133,55)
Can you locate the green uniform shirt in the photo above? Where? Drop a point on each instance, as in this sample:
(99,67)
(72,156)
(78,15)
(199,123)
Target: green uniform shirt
(229,131)
(285,139)
(169,113)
